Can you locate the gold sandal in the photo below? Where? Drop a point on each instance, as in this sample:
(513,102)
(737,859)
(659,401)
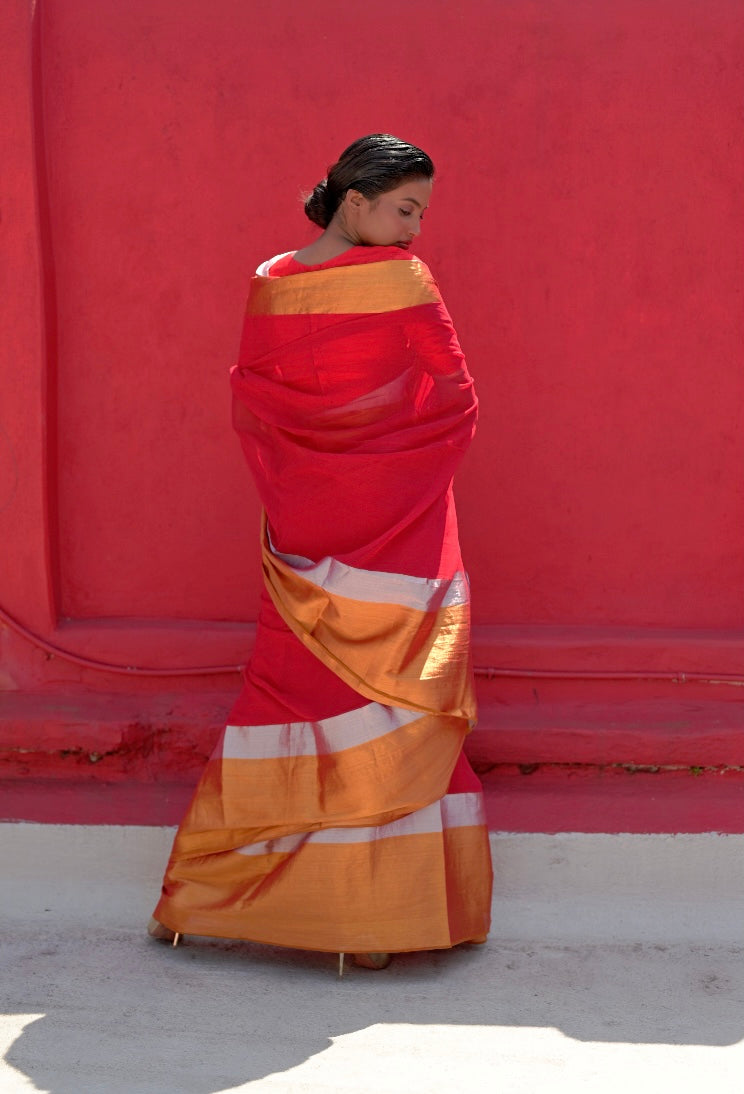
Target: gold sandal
(161,933)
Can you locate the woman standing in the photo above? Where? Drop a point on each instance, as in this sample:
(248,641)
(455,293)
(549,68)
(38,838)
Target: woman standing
(338,811)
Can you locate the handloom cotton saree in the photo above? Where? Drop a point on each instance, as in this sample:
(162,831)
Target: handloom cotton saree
(338,811)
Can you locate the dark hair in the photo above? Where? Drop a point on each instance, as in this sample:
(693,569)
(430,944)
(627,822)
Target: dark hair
(372,165)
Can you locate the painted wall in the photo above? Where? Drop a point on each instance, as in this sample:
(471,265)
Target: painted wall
(586,231)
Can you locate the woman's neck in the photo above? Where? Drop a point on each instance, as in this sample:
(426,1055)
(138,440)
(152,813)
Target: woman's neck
(335,240)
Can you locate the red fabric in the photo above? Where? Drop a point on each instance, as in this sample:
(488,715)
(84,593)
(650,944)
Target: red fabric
(354,457)
(374,492)
(353,423)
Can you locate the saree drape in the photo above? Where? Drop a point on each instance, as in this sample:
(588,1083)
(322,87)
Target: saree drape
(338,811)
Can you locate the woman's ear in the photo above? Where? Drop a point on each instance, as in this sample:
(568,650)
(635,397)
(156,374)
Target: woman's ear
(355,198)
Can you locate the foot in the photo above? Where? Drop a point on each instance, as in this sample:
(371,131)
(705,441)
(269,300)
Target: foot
(373,960)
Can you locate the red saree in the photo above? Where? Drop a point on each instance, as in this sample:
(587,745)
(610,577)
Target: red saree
(338,811)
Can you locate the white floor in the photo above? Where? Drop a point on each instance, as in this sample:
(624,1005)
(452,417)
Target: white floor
(614,961)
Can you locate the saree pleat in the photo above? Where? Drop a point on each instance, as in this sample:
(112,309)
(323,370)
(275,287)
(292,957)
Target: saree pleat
(338,811)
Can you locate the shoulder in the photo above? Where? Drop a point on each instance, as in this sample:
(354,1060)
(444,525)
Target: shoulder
(363,256)
(273,266)
(287,263)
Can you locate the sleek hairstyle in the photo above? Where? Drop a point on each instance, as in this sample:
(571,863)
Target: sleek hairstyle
(372,165)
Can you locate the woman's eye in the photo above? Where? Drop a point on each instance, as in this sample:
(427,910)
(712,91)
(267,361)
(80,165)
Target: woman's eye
(405,212)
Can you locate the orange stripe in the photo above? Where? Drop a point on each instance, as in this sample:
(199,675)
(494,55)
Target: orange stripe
(405,893)
(245,801)
(393,654)
(345,290)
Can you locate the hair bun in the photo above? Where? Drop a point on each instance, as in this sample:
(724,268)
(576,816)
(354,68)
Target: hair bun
(316,205)
(371,165)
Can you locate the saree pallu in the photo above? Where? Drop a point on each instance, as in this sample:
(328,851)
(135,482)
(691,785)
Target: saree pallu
(338,811)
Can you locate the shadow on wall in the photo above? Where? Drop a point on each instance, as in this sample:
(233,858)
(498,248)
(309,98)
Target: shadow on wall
(126,1015)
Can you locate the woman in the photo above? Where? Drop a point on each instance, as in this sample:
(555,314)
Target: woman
(338,811)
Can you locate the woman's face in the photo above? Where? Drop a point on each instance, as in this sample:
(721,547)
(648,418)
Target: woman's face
(391,220)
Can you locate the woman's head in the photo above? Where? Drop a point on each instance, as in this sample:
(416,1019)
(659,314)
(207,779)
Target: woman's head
(370,167)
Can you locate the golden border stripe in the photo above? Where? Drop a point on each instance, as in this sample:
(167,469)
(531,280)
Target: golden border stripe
(393,894)
(345,290)
(394,655)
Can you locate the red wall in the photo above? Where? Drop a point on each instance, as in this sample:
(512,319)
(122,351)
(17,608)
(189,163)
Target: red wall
(586,230)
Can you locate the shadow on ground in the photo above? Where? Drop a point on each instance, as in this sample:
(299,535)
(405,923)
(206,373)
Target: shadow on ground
(127,1015)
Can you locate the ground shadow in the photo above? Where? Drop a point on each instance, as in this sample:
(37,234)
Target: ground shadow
(127,1015)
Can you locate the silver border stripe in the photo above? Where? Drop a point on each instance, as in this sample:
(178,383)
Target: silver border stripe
(329,735)
(424,594)
(451,811)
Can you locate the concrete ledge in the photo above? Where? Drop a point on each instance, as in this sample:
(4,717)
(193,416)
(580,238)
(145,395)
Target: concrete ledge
(651,731)
(168,736)
(79,734)
(547,799)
